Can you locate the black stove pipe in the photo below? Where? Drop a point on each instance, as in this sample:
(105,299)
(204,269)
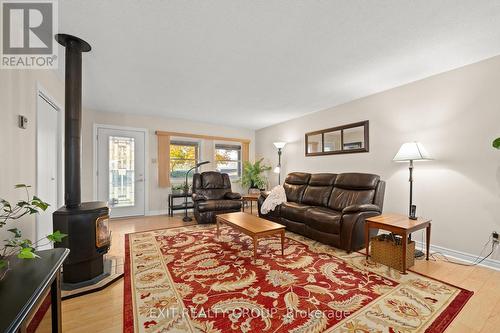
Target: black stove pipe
(73,117)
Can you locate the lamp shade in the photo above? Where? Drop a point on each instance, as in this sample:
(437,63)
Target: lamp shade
(279,145)
(412,151)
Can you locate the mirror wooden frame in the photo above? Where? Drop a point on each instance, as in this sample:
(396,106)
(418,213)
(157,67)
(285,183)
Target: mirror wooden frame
(365,149)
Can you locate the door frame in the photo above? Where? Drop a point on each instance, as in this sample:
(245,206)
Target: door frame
(96,127)
(40,91)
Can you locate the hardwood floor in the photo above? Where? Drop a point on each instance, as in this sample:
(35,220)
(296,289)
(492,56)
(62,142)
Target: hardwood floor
(102,311)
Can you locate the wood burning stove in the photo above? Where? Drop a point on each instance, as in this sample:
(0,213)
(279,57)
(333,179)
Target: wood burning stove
(86,224)
(85,261)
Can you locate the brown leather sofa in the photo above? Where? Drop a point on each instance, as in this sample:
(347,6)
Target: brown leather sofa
(329,208)
(212,195)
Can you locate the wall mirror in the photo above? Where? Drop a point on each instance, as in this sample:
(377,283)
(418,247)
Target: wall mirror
(351,138)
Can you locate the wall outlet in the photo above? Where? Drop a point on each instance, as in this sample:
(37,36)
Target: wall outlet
(494,236)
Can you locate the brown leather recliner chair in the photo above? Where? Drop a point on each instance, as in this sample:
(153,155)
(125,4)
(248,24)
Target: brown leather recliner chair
(330,208)
(212,195)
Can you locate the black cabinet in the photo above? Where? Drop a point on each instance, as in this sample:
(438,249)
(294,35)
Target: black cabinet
(24,286)
(181,205)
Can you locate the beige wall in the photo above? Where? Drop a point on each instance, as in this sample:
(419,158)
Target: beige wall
(18,146)
(456,115)
(157,196)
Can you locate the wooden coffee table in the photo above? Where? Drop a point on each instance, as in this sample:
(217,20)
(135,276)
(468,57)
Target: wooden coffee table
(252,226)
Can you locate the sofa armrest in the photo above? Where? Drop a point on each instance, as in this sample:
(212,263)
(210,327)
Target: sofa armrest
(352,230)
(361,208)
(232,196)
(199,197)
(264,194)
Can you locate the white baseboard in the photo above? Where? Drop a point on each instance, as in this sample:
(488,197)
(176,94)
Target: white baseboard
(461,256)
(165,212)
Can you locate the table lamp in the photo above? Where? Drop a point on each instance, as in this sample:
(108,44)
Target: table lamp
(409,152)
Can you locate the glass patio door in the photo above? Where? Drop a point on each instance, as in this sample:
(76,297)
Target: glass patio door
(120,171)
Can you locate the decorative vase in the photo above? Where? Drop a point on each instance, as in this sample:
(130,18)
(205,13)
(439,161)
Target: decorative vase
(253,190)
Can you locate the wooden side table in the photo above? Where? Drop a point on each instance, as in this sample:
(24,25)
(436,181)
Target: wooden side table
(400,225)
(249,198)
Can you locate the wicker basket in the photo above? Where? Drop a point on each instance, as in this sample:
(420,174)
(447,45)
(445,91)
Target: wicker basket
(388,251)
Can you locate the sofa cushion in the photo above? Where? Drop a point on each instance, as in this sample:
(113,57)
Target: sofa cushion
(357,181)
(323,237)
(353,188)
(341,198)
(218,205)
(296,227)
(295,184)
(322,179)
(215,180)
(213,185)
(298,178)
(294,211)
(323,219)
(213,194)
(317,195)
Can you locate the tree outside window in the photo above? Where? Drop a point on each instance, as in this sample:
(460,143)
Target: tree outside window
(228,159)
(183,156)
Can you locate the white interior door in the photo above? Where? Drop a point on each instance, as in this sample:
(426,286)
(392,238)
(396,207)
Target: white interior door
(121,170)
(47,141)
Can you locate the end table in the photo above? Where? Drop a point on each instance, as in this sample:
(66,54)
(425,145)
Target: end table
(249,198)
(400,225)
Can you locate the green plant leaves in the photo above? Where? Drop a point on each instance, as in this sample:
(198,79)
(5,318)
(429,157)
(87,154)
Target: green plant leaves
(3,263)
(252,174)
(16,232)
(36,201)
(24,248)
(496,143)
(56,236)
(27,253)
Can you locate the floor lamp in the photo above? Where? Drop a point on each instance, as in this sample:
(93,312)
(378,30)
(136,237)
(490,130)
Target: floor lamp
(279,146)
(409,152)
(186,190)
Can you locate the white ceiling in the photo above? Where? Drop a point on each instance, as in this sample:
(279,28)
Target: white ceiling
(255,63)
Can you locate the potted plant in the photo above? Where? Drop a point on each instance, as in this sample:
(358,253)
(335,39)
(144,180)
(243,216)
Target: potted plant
(178,188)
(17,245)
(496,143)
(253,177)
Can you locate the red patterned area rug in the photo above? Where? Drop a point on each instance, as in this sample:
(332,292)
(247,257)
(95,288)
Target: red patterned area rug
(186,280)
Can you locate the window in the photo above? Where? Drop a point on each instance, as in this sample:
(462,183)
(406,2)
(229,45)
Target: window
(121,171)
(228,159)
(183,156)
